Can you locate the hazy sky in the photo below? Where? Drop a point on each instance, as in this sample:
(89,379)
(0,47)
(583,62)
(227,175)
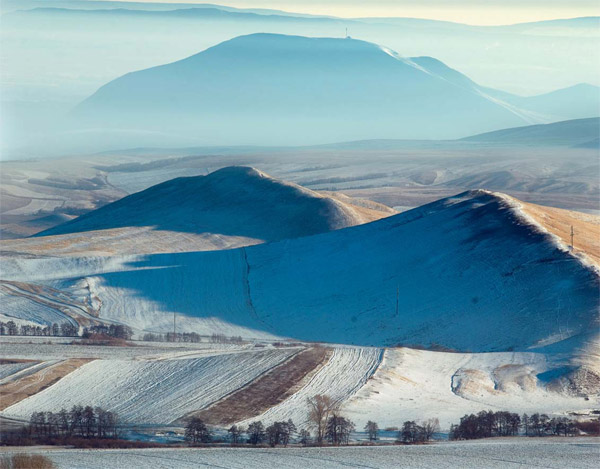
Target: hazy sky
(464,11)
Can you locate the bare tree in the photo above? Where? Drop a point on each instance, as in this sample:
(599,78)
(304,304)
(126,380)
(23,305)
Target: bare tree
(338,429)
(196,431)
(411,432)
(372,429)
(235,434)
(290,429)
(430,427)
(256,433)
(320,408)
(304,437)
(273,434)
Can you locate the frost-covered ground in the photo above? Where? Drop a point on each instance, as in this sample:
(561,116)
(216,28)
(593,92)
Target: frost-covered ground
(159,383)
(47,348)
(8,369)
(340,378)
(417,384)
(155,391)
(505,453)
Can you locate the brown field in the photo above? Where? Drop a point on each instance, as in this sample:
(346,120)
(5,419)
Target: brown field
(266,391)
(558,221)
(16,391)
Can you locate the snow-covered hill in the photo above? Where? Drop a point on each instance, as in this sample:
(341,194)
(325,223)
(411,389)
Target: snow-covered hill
(234,206)
(278,89)
(471,273)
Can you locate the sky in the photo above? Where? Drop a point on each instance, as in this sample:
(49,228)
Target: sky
(484,12)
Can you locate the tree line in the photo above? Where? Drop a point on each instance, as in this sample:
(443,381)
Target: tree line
(80,421)
(487,424)
(325,425)
(192,337)
(66,329)
(65,426)
(118,331)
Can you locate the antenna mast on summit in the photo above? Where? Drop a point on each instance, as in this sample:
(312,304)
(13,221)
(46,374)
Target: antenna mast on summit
(572,235)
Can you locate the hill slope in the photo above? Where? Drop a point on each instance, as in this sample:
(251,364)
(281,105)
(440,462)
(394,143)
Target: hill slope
(472,272)
(230,207)
(574,102)
(276,89)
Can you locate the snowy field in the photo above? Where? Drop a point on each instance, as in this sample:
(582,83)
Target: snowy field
(152,391)
(46,348)
(340,378)
(418,384)
(8,369)
(505,453)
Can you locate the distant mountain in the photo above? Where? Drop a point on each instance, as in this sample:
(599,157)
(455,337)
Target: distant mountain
(192,12)
(97,5)
(578,101)
(571,133)
(236,205)
(274,89)
(582,100)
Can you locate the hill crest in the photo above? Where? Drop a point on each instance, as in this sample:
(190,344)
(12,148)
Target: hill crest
(234,201)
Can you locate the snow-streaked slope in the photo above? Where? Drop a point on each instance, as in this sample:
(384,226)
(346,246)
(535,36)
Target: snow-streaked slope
(128,240)
(7,369)
(24,311)
(559,222)
(278,89)
(418,384)
(340,378)
(152,391)
(231,207)
(574,102)
(472,272)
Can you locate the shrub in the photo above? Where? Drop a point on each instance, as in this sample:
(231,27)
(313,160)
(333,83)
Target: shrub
(26,461)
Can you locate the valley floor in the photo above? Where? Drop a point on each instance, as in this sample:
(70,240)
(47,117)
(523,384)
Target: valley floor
(493,453)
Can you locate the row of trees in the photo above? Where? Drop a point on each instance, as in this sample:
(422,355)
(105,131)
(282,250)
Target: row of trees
(488,424)
(278,433)
(324,419)
(66,329)
(542,425)
(223,339)
(118,331)
(80,421)
(412,432)
(192,337)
